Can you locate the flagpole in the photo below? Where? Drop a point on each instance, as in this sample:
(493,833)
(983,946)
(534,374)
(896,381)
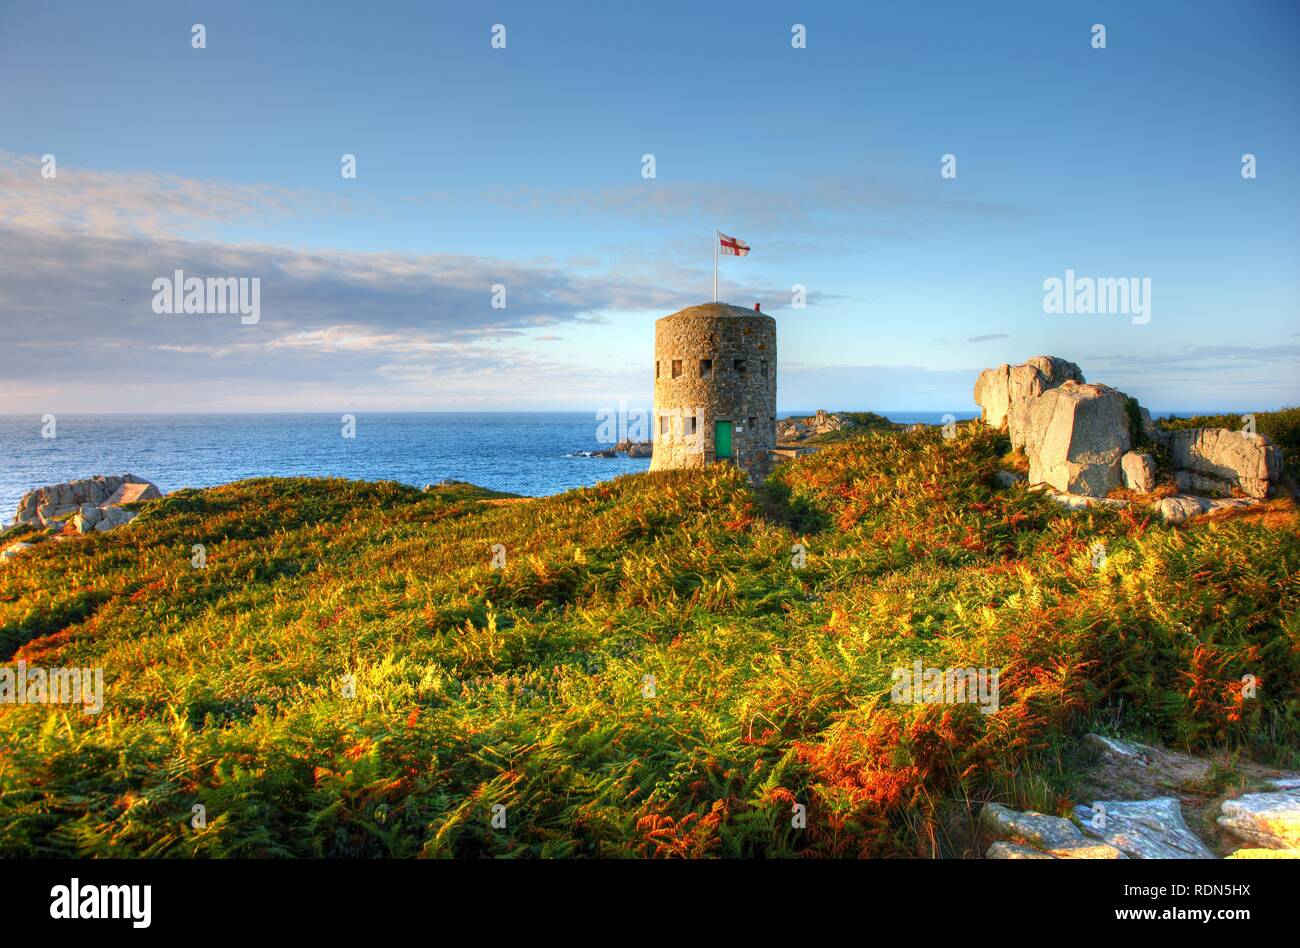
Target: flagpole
(716,238)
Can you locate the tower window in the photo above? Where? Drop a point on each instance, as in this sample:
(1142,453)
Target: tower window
(677,368)
(665,423)
(688,425)
(762,367)
(749,422)
(738,365)
(706,368)
(656,368)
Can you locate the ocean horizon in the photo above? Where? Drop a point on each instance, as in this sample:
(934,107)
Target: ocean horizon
(529,453)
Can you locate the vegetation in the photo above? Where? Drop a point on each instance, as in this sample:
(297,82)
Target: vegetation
(654,671)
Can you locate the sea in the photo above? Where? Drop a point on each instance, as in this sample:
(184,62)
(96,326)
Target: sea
(530,453)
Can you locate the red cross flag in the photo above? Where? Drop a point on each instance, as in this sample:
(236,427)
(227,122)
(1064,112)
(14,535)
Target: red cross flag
(732,245)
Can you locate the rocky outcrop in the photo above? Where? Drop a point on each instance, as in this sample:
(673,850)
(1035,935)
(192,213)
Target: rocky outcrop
(1076,435)
(823,422)
(1031,835)
(1217,460)
(1183,507)
(1265,820)
(1139,472)
(1004,850)
(1143,829)
(792,429)
(1078,438)
(1111,829)
(635,449)
(1079,501)
(90,504)
(1004,393)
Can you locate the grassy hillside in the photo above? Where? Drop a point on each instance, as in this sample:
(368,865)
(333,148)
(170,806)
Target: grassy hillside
(350,676)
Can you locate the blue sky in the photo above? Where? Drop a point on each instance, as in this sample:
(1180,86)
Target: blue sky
(522,166)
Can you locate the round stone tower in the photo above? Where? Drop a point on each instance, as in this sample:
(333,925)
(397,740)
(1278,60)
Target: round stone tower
(715,388)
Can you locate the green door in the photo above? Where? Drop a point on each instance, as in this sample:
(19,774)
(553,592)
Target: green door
(722,440)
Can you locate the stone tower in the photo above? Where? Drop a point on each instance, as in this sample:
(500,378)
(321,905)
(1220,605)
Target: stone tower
(715,388)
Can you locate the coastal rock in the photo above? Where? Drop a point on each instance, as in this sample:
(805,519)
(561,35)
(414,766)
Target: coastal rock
(1179,509)
(790,429)
(825,422)
(1004,393)
(1265,854)
(1183,507)
(1266,820)
(14,549)
(1037,829)
(635,449)
(1004,850)
(1139,472)
(1115,748)
(1076,435)
(1083,501)
(1030,835)
(1143,829)
(1192,482)
(1150,430)
(1233,459)
(445,482)
(92,503)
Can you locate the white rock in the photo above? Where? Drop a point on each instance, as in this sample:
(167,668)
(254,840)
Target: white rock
(1268,820)
(1075,437)
(1003,393)
(1004,850)
(1039,829)
(1029,835)
(82,502)
(1139,472)
(1114,747)
(1191,482)
(1250,462)
(1143,829)
(1180,508)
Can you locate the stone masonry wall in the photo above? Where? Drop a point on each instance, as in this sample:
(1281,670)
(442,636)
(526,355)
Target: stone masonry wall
(743,394)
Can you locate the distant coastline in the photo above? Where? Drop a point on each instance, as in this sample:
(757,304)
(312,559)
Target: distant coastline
(529,453)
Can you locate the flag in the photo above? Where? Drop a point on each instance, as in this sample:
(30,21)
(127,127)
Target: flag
(733,246)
